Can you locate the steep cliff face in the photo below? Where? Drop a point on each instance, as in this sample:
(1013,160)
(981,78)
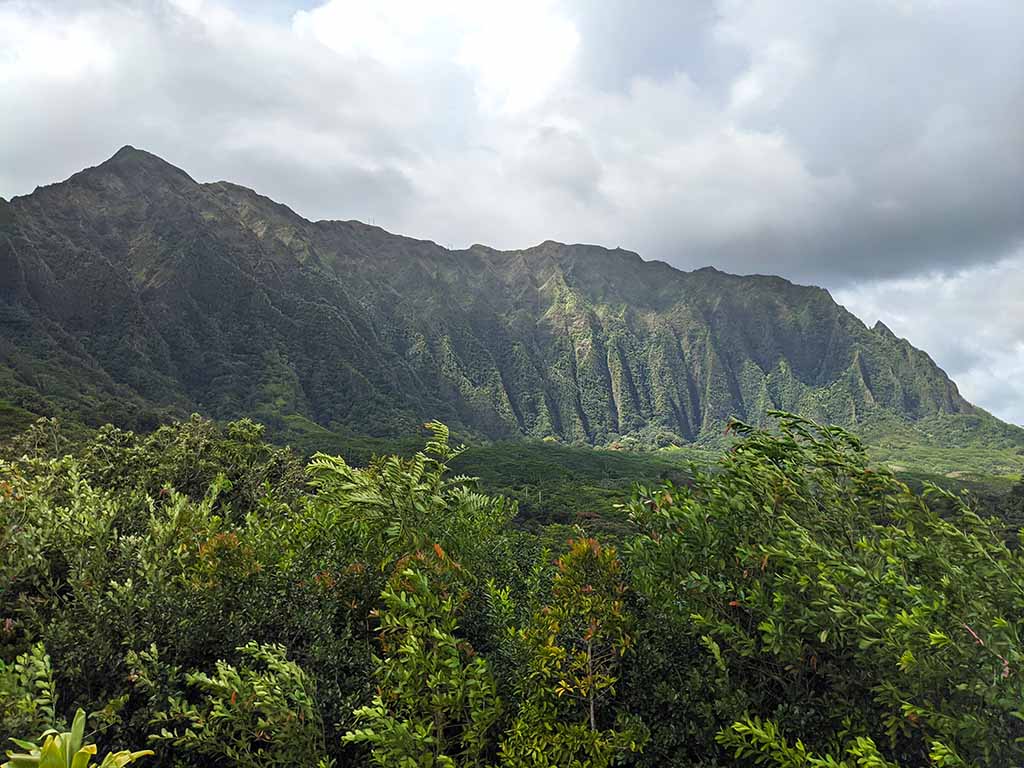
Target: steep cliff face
(131,292)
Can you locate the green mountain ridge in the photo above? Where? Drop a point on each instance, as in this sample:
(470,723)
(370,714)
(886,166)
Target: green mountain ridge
(131,293)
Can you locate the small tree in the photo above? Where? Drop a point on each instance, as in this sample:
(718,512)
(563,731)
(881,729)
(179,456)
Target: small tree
(436,700)
(574,648)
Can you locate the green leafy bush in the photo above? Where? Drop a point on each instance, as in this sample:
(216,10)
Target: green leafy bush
(67,750)
(28,696)
(261,714)
(843,605)
(437,699)
(574,647)
(792,605)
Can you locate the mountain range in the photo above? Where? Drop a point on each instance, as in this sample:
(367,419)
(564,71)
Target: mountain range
(131,293)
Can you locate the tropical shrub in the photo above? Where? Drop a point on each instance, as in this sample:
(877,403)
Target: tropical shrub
(28,696)
(67,750)
(436,699)
(852,615)
(574,648)
(395,507)
(257,715)
(792,605)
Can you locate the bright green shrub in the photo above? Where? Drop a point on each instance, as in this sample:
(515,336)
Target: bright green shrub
(395,507)
(574,648)
(436,702)
(257,715)
(762,744)
(66,750)
(840,603)
(28,696)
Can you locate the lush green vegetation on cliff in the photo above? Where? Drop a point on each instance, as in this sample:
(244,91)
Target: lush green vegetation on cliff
(214,598)
(130,293)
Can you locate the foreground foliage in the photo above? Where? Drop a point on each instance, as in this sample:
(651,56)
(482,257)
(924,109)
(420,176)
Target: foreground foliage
(67,750)
(200,593)
(437,700)
(850,612)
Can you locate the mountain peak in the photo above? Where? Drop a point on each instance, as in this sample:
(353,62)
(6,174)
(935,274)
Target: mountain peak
(883,330)
(128,159)
(128,151)
(129,172)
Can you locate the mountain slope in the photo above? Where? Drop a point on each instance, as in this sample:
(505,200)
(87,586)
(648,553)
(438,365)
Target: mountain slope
(130,292)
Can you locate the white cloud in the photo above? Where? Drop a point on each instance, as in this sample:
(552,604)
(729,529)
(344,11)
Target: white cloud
(775,70)
(515,53)
(969,321)
(51,52)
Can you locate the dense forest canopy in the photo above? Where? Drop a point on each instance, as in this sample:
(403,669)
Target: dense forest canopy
(211,598)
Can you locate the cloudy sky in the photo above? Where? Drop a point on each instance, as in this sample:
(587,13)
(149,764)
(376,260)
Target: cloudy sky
(875,147)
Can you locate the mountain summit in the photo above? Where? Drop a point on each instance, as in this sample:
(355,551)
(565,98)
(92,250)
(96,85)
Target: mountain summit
(131,292)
